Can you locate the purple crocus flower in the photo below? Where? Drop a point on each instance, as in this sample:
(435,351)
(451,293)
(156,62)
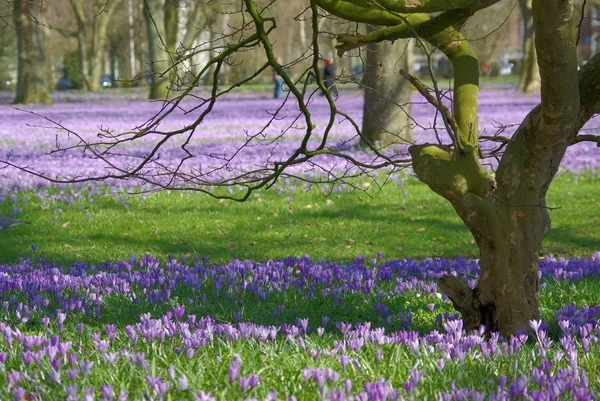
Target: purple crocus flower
(108,394)
(234,370)
(202,396)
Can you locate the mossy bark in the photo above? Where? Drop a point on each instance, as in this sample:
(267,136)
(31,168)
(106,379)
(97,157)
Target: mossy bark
(32,36)
(509,225)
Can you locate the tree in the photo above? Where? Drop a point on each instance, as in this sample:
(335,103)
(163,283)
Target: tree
(506,214)
(8,45)
(91,52)
(165,52)
(386,115)
(32,35)
(530,74)
(505,210)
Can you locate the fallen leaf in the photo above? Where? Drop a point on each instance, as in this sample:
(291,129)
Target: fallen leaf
(329,202)
(65,225)
(421,230)
(291,209)
(350,241)
(188,255)
(309,206)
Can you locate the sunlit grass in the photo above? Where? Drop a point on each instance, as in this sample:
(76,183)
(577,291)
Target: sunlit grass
(400,222)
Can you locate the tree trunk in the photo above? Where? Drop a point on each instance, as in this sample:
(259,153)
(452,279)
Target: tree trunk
(158,54)
(162,21)
(509,237)
(509,225)
(530,80)
(32,34)
(81,35)
(386,111)
(99,35)
(83,58)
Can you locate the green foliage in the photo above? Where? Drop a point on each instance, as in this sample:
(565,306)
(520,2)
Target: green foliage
(72,69)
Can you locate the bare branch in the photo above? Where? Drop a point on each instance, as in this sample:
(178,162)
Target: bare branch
(586,138)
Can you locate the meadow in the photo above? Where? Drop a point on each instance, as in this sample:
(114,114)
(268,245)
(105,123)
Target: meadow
(303,292)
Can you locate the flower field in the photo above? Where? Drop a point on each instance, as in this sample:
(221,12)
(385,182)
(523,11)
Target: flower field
(153,327)
(286,329)
(238,135)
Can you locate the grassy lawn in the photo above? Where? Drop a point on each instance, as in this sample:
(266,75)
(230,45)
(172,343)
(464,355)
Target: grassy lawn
(143,329)
(410,221)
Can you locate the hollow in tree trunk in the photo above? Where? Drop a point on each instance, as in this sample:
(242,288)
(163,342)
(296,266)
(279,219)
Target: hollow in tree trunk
(32,35)
(386,110)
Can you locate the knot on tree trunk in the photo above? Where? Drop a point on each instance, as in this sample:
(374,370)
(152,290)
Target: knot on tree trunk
(450,172)
(466,301)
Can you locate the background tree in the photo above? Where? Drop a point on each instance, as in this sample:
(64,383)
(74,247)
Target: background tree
(386,112)
(32,35)
(530,74)
(165,48)
(8,44)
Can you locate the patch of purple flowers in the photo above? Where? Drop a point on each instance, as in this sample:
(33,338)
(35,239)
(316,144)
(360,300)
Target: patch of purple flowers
(41,302)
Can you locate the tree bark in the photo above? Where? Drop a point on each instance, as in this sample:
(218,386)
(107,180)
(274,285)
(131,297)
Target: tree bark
(509,226)
(386,110)
(530,73)
(162,21)
(82,55)
(158,54)
(32,35)
(99,35)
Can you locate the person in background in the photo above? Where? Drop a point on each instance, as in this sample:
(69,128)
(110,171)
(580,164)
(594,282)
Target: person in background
(329,76)
(278,82)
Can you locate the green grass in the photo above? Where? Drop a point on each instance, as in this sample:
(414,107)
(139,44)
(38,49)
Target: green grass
(416,223)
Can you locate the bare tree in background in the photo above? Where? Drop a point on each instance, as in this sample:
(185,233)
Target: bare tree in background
(530,80)
(97,16)
(163,22)
(386,115)
(32,36)
(505,210)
